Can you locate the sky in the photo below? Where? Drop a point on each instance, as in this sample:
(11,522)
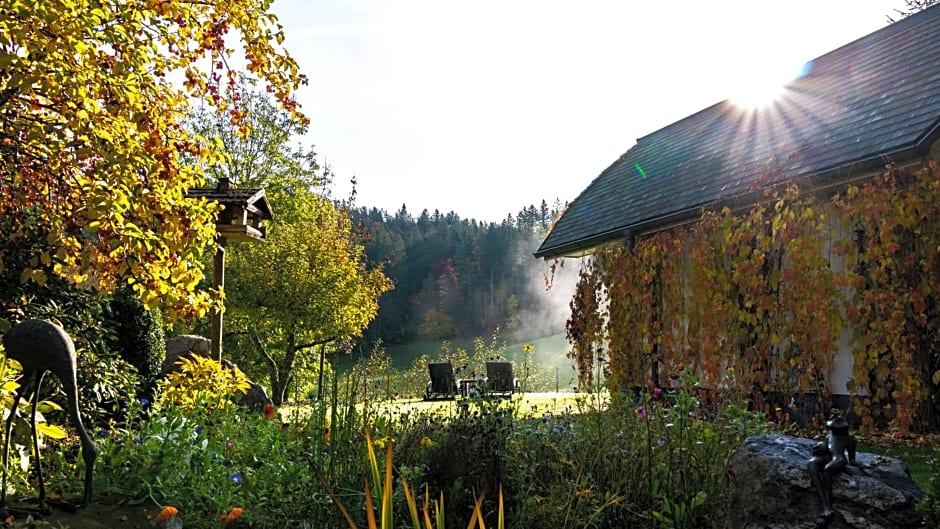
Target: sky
(484,107)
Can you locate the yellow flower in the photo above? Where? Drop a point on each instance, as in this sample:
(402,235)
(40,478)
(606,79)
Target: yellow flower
(527,347)
(380,443)
(426,441)
(166,513)
(231,516)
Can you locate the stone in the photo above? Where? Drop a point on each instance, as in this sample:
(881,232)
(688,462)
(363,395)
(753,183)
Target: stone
(771,489)
(189,344)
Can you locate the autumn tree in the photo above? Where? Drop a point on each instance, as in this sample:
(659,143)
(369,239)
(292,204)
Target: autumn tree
(92,184)
(309,287)
(306,289)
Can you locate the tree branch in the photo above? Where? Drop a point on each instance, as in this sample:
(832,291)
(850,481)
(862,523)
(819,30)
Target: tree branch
(316,343)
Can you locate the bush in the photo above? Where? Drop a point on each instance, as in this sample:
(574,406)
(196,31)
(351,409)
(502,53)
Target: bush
(139,339)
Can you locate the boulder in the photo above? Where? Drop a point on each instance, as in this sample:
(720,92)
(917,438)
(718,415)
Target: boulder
(771,489)
(182,345)
(189,344)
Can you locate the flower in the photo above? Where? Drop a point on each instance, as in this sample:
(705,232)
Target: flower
(231,516)
(166,513)
(268,411)
(198,430)
(137,441)
(237,478)
(426,441)
(623,390)
(102,433)
(527,347)
(657,391)
(229,445)
(144,401)
(660,441)
(641,412)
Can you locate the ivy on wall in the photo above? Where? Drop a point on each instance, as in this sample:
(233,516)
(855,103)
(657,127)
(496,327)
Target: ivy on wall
(756,301)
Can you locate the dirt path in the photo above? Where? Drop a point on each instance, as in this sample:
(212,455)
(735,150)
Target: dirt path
(95,516)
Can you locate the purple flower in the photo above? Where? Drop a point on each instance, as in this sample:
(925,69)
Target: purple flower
(137,441)
(237,478)
(623,390)
(660,441)
(102,433)
(198,430)
(641,412)
(143,401)
(657,392)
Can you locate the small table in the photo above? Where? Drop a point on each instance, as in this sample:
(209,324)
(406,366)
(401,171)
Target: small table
(466,384)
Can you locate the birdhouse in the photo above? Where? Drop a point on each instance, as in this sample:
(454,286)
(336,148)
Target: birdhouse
(243,210)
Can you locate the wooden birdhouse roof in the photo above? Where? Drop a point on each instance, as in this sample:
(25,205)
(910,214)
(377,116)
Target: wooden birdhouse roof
(243,209)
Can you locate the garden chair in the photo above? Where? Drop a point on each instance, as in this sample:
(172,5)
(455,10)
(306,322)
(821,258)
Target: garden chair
(499,380)
(442,384)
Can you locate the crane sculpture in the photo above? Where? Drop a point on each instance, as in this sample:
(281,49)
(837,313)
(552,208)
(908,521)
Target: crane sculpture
(41,346)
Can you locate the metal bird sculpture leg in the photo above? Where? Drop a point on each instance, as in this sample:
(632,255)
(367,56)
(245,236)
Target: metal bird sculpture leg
(41,346)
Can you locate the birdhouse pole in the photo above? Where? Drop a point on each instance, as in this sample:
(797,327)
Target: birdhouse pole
(241,217)
(218,284)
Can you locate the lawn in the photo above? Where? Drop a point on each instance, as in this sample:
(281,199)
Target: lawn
(920,460)
(526,405)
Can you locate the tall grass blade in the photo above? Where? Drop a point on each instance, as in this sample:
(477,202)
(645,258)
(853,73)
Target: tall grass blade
(500,524)
(439,511)
(412,504)
(370,511)
(477,517)
(387,510)
(329,492)
(427,515)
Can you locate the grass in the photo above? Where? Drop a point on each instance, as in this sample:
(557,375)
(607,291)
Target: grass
(920,460)
(527,405)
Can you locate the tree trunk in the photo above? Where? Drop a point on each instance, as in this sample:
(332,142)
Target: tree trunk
(284,370)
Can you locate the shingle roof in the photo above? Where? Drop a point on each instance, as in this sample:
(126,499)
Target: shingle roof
(231,196)
(875,99)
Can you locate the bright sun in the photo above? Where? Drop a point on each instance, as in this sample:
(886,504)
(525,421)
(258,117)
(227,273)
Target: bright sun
(760,83)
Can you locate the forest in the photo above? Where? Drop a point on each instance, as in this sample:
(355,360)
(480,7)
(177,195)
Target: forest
(457,278)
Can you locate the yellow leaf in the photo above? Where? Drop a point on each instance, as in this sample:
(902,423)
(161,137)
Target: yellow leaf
(52,431)
(47,405)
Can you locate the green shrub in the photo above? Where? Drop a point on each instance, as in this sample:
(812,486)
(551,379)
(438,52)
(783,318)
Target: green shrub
(205,464)
(139,339)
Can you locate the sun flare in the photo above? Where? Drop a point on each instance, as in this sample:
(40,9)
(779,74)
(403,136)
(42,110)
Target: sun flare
(760,83)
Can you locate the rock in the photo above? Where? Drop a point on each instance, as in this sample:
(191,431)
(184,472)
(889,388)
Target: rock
(771,489)
(189,344)
(182,345)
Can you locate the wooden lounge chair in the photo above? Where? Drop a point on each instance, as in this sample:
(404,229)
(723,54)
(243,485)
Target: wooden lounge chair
(499,380)
(442,384)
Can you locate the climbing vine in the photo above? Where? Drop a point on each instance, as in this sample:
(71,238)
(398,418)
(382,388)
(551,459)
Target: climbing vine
(761,300)
(891,277)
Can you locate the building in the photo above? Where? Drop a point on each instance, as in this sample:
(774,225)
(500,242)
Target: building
(871,102)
